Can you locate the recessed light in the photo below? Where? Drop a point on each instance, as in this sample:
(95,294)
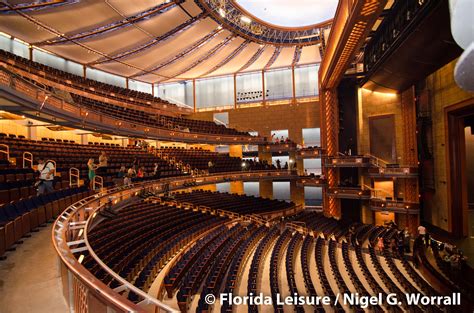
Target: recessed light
(221,12)
(245,19)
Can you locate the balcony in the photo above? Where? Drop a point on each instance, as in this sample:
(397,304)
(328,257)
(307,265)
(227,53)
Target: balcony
(391,172)
(349,193)
(349,161)
(311,181)
(310,153)
(394,206)
(279,147)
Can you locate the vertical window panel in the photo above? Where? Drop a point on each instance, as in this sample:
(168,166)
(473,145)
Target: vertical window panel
(306,80)
(215,92)
(249,87)
(279,84)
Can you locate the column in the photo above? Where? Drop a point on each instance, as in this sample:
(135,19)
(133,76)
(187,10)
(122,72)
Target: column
(235,151)
(194,94)
(266,188)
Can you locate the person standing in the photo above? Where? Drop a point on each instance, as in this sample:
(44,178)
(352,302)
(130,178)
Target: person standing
(422,232)
(380,245)
(103,163)
(46,176)
(156,170)
(407,241)
(91,166)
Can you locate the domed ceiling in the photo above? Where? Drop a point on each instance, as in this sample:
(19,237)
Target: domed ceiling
(164,41)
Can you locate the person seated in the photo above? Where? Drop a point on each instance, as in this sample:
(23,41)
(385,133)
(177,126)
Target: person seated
(122,172)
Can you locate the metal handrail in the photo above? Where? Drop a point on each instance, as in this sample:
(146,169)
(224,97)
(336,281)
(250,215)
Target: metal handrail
(5,150)
(74,173)
(27,157)
(84,211)
(98,181)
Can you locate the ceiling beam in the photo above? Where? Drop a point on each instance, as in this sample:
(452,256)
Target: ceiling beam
(231,56)
(296,55)
(127,21)
(34,6)
(193,47)
(182,27)
(205,57)
(253,58)
(275,55)
(82,45)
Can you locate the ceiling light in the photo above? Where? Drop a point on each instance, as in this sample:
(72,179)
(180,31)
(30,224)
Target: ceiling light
(221,12)
(245,19)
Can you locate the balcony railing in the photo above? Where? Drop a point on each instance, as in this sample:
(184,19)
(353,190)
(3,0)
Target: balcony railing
(349,193)
(314,152)
(395,206)
(349,161)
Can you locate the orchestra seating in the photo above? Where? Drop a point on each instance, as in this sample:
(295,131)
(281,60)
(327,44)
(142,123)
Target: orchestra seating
(18,218)
(199,159)
(141,238)
(212,251)
(277,253)
(256,266)
(321,224)
(240,204)
(293,246)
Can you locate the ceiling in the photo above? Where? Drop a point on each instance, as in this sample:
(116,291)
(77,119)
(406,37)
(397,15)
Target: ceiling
(153,40)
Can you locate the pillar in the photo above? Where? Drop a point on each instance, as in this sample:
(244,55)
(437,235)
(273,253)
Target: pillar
(330,141)
(409,186)
(266,188)
(297,193)
(84,139)
(367,214)
(235,151)
(264,155)
(31,133)
(237,187)
(300,166)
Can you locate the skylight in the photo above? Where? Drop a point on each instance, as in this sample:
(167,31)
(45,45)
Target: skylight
(290,13)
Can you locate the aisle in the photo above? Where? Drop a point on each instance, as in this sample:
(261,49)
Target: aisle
(29,277)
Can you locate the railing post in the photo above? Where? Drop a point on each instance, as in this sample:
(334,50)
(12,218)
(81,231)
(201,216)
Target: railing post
(27,156)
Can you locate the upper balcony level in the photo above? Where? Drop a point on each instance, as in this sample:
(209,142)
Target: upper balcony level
(89,88)
(25,96)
